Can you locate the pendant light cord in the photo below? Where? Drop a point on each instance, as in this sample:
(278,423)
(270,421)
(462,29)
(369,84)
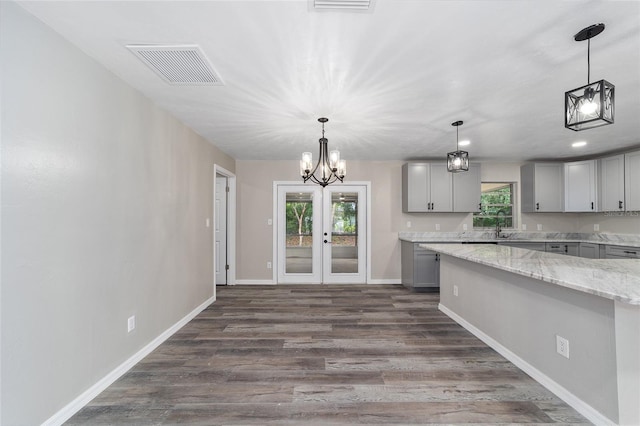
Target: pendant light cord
(457,138)
(589,61)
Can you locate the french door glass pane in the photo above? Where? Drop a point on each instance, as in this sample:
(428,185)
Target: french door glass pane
(344,232)
(299,233)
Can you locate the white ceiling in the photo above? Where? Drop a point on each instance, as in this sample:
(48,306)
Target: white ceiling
(391,81)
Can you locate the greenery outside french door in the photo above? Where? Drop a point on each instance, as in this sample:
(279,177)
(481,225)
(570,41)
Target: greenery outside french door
(321,234)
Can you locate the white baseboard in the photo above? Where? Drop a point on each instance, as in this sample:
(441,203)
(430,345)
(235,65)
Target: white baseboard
(255,282)
(271,282)
(384,281)
(579,405)
(74,406)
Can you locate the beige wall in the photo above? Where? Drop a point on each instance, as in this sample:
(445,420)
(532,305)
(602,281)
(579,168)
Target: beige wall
(104,203)
(255,206)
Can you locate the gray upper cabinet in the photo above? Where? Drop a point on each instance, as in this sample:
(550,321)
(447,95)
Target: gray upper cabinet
(632,181)
(611,192)
(426,188)
(542,187)
(467,190)
(618,178)
(580,183)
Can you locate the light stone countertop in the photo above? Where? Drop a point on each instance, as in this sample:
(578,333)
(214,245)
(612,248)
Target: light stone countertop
(628,240)
(616,279)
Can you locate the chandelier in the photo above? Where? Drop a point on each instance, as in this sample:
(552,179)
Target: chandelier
(457,161)
(592,105)
(330,167)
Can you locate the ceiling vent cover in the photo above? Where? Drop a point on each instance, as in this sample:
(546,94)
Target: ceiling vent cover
(179,65)
(348,5)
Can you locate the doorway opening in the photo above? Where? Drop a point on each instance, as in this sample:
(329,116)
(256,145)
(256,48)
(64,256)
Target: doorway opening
(224,212)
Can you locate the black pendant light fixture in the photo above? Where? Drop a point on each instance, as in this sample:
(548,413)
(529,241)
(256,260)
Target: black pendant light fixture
(592,105)
(457,161)
(330,167)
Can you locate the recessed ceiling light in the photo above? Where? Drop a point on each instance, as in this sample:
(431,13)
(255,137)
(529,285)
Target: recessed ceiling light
(464,143)
(578,144)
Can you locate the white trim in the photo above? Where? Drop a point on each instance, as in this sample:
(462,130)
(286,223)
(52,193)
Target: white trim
(85,397)
(384,281)
(231,225)
(255,282)
(579,405)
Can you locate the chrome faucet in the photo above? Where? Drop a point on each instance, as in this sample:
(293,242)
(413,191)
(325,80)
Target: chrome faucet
(498,229)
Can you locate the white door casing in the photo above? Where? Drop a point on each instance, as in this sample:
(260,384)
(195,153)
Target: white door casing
(220,229)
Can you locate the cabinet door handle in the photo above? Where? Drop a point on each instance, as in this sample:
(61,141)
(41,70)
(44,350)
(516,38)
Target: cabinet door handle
(592,205)
(630,252)
(432,206)
(620,205)
(479,206)
(566,248)
(537,206)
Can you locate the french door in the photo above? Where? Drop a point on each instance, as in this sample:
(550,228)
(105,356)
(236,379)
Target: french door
(321,234)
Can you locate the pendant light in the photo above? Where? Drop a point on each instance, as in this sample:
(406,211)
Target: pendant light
(592,105)
(457,161)
(330,167)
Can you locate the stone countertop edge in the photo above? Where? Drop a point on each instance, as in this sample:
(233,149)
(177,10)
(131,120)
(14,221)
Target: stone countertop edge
(627,240)
(617,279)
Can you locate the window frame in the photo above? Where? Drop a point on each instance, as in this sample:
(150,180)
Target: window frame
(483,214)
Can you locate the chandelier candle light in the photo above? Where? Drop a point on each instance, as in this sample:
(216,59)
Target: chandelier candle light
(330,167)
(457,161)
(592,105)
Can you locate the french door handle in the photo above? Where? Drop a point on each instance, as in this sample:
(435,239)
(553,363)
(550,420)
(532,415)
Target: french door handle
(327,242)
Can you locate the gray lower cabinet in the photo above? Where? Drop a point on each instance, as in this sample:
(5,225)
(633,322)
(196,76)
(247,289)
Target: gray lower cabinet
(589,250)
(420,267)
(571,249)
(621,252)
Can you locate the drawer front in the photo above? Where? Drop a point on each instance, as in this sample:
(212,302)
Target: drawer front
(625,252)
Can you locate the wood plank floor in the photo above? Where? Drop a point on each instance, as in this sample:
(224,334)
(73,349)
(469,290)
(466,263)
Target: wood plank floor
(348,354)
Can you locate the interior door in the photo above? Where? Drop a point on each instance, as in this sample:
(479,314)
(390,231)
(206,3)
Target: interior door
(321,234)
(220,227)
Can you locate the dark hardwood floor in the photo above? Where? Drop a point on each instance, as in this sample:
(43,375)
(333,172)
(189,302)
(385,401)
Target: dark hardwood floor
(348,354)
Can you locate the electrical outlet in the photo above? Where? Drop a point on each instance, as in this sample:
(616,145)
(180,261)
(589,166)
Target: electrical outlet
(131,323)
(408,224)
(562,346)
(269,221)
(268,265)
(455,290)
(207,223)
(524,226)
(596,227)
(464,227)
(437,226)
(539,227)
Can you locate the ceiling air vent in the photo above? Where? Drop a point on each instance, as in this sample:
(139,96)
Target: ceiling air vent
(349,5)
(180,65)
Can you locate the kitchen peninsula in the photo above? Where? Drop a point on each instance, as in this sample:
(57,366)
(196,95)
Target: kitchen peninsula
(530,306)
